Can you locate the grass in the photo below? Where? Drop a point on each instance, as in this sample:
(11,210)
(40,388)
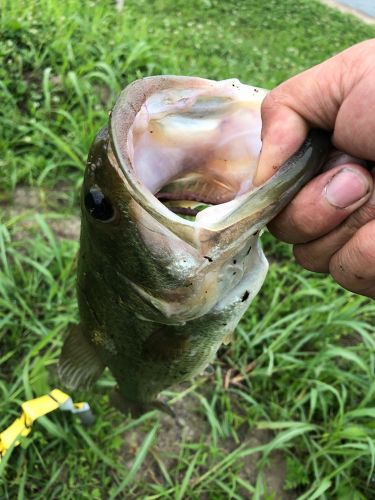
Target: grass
(311,391)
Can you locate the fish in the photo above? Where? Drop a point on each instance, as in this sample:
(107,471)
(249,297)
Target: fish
(170,256)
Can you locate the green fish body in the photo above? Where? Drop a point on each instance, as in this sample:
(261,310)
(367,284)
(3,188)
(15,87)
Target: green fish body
(170,257)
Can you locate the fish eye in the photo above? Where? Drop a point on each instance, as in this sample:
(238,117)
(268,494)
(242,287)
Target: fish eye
(98,205)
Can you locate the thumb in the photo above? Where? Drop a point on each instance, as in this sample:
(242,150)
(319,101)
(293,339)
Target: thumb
(323,204)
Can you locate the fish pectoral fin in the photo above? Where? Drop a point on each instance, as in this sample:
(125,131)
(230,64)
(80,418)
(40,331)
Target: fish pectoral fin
(79,363)
(138,408)
(228,338)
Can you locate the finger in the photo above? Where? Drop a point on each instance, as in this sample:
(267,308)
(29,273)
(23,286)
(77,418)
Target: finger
(354,128)
(323,204)
(289,110)
(353,266)
(315,98)
(316,256)
(283,132)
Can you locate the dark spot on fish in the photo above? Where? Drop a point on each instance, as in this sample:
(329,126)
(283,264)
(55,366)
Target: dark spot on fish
(359,277)
(234,261)
(247,253)
(342,268)
(151,131)
(234,272)
(256,90)
(98,206)
(245,296)
(256,232)
(208,258)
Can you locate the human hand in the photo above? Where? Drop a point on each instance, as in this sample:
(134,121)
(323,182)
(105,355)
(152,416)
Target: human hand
(331,221)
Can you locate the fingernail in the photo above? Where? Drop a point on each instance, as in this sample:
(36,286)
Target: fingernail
(345,188)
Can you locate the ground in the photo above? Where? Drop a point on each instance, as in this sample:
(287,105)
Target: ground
(288,409)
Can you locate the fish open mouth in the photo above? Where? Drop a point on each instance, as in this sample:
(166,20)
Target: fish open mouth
(188,148)
(197,146)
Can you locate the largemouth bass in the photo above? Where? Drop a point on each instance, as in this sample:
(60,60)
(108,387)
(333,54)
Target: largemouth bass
(170,257)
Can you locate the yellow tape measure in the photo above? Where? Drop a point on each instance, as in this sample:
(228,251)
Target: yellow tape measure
(35,408)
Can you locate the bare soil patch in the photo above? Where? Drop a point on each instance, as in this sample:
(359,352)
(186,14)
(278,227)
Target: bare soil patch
(191,426)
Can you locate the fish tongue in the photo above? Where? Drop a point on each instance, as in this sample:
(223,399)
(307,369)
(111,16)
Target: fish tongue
(194,191)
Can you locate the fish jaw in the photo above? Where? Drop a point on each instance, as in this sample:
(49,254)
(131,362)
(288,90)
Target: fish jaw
(130,137)
(161,124)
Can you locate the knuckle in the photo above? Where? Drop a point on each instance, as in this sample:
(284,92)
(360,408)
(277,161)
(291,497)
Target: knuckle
(359,218)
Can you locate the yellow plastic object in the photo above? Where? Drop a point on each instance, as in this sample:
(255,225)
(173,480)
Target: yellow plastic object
(35,408)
